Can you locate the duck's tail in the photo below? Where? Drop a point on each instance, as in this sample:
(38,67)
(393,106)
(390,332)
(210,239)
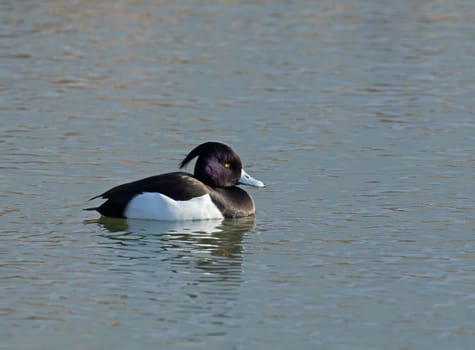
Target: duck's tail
(90,209)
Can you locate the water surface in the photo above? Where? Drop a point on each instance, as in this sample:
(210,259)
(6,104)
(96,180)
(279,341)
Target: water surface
(358,116)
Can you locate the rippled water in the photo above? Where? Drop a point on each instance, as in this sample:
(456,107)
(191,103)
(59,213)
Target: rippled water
(358,115)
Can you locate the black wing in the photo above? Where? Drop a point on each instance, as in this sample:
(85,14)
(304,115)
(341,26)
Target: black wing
(178,186)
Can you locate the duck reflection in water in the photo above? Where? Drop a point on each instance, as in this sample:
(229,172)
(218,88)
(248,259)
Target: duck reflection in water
(214,246)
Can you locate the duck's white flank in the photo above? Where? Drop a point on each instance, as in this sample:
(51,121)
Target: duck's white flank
(157,206)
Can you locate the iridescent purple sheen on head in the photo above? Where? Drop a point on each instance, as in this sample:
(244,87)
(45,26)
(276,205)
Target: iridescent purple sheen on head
(217,164)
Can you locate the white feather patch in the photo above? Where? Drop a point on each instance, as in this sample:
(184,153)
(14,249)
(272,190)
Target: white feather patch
(156,206)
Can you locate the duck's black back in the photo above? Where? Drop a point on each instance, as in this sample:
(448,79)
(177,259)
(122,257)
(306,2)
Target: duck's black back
(179,186)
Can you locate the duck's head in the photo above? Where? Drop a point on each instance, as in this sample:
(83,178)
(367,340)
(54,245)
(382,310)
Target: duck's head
(218,165)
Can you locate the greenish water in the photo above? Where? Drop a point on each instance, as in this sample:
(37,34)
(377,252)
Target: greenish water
(357,115)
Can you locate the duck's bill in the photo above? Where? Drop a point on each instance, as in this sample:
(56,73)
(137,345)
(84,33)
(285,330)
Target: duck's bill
(247,179)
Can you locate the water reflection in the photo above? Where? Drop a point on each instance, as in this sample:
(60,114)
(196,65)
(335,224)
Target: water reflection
(212,247)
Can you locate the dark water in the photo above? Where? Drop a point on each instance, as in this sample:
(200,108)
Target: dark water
(358,115)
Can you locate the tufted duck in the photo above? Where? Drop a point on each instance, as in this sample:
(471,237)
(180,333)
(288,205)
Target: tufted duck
(210,193)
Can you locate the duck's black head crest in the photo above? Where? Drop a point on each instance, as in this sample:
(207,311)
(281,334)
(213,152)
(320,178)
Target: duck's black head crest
(217,164)
(205,149)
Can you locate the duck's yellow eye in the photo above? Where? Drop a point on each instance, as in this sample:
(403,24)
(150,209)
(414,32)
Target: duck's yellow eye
(227,165)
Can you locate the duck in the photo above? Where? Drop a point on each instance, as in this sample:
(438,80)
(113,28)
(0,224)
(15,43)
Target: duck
(211,192)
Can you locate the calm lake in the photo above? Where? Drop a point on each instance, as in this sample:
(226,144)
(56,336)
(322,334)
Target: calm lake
(358,116)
